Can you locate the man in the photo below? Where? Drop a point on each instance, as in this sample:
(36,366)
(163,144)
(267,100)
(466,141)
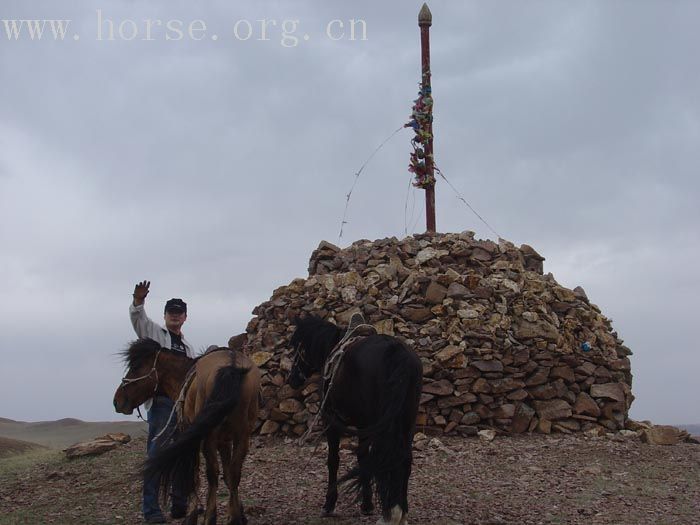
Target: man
(159,407)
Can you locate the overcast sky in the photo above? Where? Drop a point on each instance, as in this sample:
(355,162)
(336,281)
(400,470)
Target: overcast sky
(214,167)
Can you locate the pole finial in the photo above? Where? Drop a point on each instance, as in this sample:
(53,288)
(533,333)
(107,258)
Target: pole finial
(425,17)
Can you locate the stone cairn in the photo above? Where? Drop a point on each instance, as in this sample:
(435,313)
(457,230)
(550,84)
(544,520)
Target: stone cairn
(503,346)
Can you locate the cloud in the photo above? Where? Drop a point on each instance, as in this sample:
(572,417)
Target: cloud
(214,168)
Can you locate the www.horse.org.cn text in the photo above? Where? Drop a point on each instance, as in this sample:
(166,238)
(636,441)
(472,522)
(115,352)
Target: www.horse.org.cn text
(286,32)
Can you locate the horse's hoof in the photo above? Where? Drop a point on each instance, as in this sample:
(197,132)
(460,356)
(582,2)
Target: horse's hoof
(328,513)
(367,510)
(396,517)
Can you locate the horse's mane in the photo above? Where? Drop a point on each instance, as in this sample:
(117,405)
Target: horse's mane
(315,337)
(142,350)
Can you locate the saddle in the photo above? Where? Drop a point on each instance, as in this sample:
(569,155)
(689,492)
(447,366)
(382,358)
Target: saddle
(359,327)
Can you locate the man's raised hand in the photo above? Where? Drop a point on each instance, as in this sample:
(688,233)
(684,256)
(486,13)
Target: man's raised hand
(140,292)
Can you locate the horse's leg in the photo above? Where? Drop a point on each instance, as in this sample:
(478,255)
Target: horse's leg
(225,455)
(393,488)
(404,489)
(333,438)
(366,507)
(193,509)
(236,512)
(212,469)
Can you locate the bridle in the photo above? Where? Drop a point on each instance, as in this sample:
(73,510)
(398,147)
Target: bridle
(299,357)
(126,381)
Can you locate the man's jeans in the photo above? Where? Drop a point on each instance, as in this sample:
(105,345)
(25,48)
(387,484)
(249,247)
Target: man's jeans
(157,418)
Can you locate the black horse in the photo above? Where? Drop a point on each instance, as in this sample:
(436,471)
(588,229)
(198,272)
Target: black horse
(372,389)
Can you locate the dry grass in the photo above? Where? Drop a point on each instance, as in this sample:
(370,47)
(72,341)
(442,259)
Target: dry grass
(523,480)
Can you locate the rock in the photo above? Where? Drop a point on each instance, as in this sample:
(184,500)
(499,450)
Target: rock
(546,391)
(453,401)
(327,248)
(508,384)
(420,441)
(564,294)
(260,358)
(470,418)
(119,437)
(290,406)
(663,435)
(487,434)
(543,329)
(481,386)
(522,418)
(499,342)
(269,427)
(91,448)
(530,317)
(533,260)
(457,291)
(596,431)
(438,388)
(629,433)
(503,412)
(427,254)
(488,366)
(612,391)
(518,395)
(586,405)
(552,410)
(237,342)
(586,368)
(580,294)
(385,327)
(468,314)
(448,353)
(435,293)
(636,426)
(563,372)
(417,315)
(539,377)
(544,426)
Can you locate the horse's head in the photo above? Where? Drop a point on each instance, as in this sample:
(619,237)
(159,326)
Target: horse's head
(301,369)
(312,340)
(141,379)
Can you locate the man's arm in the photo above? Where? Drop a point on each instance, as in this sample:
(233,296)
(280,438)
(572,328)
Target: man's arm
(143,326)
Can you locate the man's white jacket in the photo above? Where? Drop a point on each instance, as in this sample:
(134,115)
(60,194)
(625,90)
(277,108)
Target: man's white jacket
(147,329)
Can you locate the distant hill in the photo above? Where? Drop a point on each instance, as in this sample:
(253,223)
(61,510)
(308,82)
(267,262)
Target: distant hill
(64,432)
(13,447)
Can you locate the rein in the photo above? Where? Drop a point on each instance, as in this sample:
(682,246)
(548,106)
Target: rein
(126,381)
(178,406)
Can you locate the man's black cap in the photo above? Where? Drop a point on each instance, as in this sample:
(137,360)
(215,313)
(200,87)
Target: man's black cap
(177,306)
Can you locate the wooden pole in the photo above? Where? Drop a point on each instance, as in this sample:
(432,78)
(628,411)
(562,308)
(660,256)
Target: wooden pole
(425,20)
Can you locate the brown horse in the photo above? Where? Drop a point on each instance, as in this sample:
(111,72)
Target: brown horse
(217,394)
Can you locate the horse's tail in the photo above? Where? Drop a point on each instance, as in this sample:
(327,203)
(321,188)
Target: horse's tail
(177,463)
(387,452)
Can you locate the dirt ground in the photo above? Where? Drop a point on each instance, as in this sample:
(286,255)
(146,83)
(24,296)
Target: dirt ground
(532,479)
